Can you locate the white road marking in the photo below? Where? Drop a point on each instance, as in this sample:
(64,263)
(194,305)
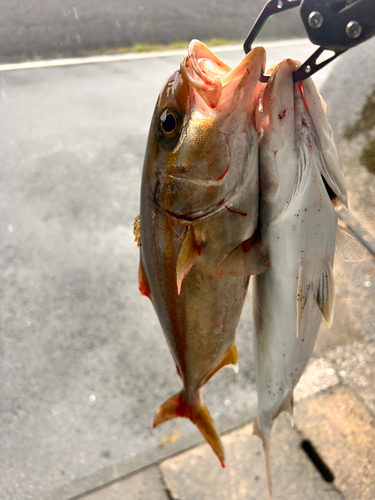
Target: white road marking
(131,56)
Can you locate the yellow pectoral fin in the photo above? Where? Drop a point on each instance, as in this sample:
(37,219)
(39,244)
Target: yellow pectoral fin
(187,255)
(230,358)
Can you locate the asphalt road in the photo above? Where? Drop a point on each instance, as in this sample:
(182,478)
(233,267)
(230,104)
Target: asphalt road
(84,362)
(49,28)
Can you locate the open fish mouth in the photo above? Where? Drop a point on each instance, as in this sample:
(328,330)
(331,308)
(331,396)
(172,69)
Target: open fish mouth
(199,214)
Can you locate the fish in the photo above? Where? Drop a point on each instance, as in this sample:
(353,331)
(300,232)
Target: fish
(301,189)
(199,204)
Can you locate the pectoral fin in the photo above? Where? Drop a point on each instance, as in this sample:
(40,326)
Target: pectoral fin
(348,248)
(177,406)
(322,286)
(230,358)
(187,255)
(250,257)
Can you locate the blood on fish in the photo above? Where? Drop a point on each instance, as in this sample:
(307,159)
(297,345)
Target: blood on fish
(235,211)
(282,114)
(223,174)
(246,245)
(303,95)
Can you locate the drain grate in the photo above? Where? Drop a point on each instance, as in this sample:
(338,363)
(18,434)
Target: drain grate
(317,460)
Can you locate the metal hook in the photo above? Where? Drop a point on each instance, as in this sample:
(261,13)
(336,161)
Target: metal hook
(271,7)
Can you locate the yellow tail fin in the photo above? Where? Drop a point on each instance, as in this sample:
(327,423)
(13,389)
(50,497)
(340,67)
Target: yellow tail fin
(177,406)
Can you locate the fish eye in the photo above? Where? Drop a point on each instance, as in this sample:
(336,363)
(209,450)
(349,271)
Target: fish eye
(169,124)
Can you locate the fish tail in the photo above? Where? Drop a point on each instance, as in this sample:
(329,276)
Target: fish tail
(177,406)
(265,436)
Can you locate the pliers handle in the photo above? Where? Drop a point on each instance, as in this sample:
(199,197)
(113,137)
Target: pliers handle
(335,25)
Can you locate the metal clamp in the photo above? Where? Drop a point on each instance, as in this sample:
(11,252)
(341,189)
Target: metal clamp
(335,25)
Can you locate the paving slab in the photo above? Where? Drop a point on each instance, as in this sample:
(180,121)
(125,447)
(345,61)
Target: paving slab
(146,485)
(357,368)
(196,474)
(341,429)
(318,376)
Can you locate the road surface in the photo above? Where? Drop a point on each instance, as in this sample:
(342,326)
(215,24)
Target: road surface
(84,362)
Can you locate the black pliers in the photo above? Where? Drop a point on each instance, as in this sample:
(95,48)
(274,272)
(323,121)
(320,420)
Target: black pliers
(335,25)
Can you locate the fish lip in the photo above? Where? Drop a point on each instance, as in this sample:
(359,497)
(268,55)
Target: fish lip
(199,214)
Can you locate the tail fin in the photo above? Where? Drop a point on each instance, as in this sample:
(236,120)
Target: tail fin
(176,406)
(265,436)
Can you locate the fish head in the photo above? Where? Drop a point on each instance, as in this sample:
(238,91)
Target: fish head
(202,114)
(296,138)
(275,105)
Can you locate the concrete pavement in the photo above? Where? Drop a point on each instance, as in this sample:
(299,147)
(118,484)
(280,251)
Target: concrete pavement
(84,363)
(329,454)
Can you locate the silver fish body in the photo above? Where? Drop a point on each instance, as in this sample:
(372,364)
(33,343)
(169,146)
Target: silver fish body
(300,178)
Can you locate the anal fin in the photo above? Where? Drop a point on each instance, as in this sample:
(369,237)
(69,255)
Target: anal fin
(250,257)
(321,284)
(324,293)
(230,358)
(177,406)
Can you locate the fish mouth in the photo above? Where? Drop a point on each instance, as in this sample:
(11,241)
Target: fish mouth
(199,214)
